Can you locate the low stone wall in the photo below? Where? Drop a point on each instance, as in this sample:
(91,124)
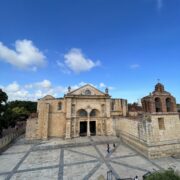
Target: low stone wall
(139,136)
(6,140)
(127,126)
(135,143)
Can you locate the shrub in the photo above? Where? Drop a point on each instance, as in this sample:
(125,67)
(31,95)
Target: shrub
(163,175)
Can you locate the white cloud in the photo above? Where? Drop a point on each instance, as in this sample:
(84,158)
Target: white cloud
(111,88)
(14,91)
(13,87)
(44,84)
(63,67)
(25,55)
(134,66)
(102,85)
(76,61)
(36,90)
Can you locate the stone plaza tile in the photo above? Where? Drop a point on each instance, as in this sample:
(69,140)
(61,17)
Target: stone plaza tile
(168,162)
(126,172)
(121,151)
(102,170)
(87,150)
(9,161)
(104,138)
(103,149)
(18,149)
(137,162)
(41,159)
(61,141)
(79,140)
(74,157)
(52,142)
(45,174)
(78,172)
(90,160)
(3,177)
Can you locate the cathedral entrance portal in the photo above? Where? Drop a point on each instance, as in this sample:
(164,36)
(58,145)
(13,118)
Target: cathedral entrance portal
(93,128)
(83,128)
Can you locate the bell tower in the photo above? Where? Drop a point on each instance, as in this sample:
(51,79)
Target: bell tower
(162,123)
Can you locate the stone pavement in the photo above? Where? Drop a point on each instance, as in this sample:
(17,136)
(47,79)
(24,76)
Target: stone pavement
(76,159)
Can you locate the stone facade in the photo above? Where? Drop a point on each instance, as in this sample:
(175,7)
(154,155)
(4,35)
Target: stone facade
(159,101)
(154,131)
(85,111)
(157,132)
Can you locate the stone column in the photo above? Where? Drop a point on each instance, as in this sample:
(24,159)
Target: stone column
(46,122)
(108,127)
(68,129)
(75,127)
(88,125)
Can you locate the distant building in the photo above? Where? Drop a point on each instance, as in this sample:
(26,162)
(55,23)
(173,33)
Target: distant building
(134,110)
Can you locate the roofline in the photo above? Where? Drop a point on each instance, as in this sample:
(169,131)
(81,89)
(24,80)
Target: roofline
(84,86)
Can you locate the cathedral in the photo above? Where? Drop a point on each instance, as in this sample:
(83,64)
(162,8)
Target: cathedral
(83,112)
(87,111)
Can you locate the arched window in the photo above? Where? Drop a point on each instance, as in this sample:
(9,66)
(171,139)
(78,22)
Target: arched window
(82,113)
(59,105)
(93,112)
(146,105)
(87,92)
(158,105)
(168,105)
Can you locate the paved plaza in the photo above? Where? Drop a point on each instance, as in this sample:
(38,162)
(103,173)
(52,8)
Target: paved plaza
(76,159)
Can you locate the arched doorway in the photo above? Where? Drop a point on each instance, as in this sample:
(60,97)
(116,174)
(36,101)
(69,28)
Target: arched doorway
(93,128)
(82,114)
(158,105)
(83,128)
(168,105)
(93,118)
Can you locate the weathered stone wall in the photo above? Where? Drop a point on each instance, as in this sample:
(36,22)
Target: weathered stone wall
(31,129)
(145,136)
(64,121)
(132,132)
(119,108)
(56,125)
(4,141)
(165,150)
(51,119)
(133,113)
(127,126)
(171,131)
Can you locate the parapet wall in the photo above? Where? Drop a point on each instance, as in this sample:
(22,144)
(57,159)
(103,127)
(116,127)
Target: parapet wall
(142,136)
(4,141)
(129,130)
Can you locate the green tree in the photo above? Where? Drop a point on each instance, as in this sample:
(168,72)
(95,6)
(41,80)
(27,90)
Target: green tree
(164,175)
(28,106)
(3,106)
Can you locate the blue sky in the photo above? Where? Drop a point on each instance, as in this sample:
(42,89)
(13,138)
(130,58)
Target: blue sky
(125,45)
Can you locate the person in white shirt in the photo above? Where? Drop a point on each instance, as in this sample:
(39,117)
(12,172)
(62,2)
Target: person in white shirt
(136,178)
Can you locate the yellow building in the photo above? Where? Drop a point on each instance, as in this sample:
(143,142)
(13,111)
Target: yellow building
(83,112)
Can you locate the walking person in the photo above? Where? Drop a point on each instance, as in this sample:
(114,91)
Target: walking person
(108,148)
(136,178)
(114,145)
